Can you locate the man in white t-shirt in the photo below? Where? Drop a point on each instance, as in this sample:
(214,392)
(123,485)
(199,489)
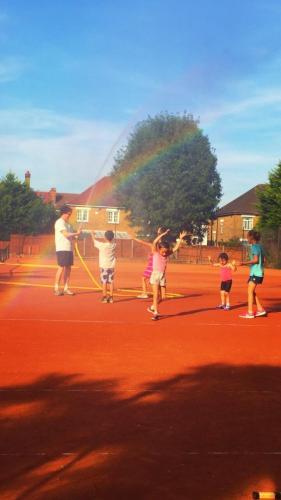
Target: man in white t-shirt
(63,240)
(107,262)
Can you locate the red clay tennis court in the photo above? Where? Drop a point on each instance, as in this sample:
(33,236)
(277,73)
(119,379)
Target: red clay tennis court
(100,402)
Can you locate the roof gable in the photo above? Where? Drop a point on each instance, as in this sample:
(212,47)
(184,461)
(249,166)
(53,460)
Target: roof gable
(99,194)
(244,204)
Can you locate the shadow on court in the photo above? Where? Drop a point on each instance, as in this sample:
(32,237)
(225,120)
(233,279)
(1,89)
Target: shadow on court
(274,305)
(207,434)
(200,310)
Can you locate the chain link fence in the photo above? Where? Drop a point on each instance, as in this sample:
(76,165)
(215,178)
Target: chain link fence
(271,241)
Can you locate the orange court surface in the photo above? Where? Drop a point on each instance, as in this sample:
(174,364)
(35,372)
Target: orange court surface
(100,402)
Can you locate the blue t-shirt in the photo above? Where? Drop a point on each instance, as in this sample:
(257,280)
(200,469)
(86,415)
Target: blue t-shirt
(258,268)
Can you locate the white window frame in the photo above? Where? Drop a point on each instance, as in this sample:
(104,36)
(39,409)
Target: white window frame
(82,214)
(113,216)
(247,223)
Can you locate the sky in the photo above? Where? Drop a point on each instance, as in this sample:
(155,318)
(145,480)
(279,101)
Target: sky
(77,75)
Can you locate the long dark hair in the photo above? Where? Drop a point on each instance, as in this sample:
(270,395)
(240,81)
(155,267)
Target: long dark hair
(255,235)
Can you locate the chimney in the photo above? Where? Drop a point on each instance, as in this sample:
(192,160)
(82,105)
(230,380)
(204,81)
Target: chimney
(27,176)
(53,195)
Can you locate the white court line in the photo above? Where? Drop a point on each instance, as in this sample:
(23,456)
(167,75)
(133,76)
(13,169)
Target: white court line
(253,324)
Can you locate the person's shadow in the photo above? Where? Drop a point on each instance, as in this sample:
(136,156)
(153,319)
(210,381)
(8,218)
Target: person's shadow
(199,310)
(208,433)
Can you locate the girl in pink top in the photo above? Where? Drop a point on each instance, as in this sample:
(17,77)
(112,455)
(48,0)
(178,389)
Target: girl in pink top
(161,251)
(226,269)
(149,268)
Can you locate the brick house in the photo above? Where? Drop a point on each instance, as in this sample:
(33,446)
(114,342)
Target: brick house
(236,218)
(97,208)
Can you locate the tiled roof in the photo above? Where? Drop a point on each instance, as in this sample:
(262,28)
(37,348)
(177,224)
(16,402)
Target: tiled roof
(66,199)
(99,194)
(44,195)
(246,204)
(61,198)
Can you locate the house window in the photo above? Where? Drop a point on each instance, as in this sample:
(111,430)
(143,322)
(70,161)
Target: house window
(221,225)
(82,214)
(248,223)
(113,216)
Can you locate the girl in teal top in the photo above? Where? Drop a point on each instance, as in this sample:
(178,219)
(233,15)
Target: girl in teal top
(256,263)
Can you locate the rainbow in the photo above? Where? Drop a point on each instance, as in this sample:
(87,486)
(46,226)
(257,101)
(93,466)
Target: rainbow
(116,180)
(140,163)
(158,152)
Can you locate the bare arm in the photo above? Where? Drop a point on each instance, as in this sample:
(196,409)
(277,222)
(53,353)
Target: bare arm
(93,237)
(254,260)
(215,264)
(232,265)
(157,239)
(145,243)
(69,235)
(182,235)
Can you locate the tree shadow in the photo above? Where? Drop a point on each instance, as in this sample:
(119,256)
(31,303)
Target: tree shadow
(204,434)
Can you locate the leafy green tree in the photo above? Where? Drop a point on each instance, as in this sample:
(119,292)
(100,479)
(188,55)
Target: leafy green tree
(166,175)
(21,210)
(270,201)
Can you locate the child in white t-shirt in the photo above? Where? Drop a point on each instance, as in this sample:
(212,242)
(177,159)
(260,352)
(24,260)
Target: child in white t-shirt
(107,262)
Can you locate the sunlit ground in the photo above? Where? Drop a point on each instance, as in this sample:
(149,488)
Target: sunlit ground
(98,401)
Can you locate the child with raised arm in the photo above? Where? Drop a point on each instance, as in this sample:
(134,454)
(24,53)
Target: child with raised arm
(161,251)
(226,269)
(107,261)
(256,263)
(148,269)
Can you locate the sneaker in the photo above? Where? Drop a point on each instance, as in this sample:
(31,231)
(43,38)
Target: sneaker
(58,293)
(247,315)
(104,300)
(260,313)
(68,292)
(227,308)
(155,316)
(151,310)
(143,296)
(221,306)
(110,300)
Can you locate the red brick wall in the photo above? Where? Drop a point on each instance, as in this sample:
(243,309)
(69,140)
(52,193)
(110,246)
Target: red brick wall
(4,244)
(32,245)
